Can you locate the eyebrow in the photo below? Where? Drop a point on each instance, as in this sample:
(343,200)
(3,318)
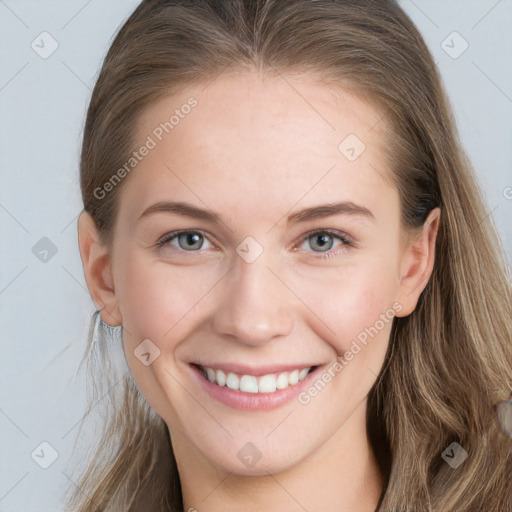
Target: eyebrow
(182,208)
(308,214)
(326,210)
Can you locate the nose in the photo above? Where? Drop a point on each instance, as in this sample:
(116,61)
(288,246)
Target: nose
(255,305)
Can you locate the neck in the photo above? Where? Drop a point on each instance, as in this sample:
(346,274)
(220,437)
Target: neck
(340,475)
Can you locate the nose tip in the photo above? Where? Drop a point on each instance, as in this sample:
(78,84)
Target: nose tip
(253,308)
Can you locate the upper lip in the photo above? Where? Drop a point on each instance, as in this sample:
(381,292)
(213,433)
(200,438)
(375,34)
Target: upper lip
(257,371)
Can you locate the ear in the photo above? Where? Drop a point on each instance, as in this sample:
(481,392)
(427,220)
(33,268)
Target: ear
(417,263)
(96,261)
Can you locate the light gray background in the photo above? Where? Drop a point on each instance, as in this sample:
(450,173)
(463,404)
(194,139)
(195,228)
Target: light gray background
(44,306)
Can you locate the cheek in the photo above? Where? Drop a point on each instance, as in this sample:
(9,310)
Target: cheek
(356,303)
(158,303)
(155,299)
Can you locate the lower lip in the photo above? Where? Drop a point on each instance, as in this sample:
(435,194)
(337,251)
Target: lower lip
(252,401)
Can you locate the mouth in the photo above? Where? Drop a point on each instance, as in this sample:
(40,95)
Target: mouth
(261,389)
(247,383)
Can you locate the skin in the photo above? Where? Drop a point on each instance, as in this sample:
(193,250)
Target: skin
(255,150)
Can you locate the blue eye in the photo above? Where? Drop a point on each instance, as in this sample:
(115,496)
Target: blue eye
(189,241)
(320,241)
(323,241)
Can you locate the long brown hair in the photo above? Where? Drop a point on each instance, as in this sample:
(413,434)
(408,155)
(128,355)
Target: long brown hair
(449,361)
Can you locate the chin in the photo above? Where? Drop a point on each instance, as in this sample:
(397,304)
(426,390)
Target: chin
(254,458)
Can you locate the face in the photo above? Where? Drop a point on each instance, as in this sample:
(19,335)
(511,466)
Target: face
(258,245)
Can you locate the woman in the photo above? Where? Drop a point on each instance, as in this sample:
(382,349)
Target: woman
(282,229)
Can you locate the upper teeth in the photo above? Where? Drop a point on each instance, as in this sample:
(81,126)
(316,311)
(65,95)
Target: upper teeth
(251,384)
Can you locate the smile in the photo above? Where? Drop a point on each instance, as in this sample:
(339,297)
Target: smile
(253,389)
(255,384)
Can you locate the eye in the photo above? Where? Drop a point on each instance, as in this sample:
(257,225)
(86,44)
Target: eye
(323,241)
(189,241)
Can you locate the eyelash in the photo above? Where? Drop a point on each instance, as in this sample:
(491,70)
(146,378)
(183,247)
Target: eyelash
(346,240)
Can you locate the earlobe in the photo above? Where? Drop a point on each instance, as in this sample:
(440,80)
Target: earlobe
(97,265)
(417,264)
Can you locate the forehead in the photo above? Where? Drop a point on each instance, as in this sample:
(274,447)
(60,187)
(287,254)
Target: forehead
(267,138)
(243,106)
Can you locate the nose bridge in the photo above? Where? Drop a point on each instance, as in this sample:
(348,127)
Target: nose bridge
(254,307)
